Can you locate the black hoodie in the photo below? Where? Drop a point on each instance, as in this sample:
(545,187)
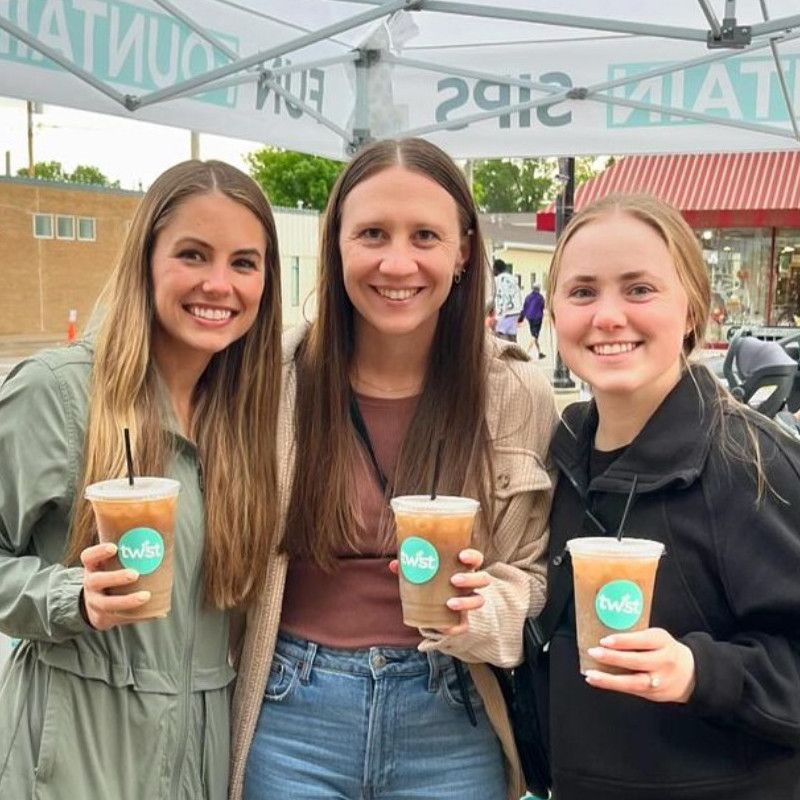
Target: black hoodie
(728,587)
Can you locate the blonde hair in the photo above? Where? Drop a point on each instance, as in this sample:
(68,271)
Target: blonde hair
(687,257)
(235,403)
(676,234)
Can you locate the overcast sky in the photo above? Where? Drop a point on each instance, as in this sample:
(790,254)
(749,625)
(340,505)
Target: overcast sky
(124,150)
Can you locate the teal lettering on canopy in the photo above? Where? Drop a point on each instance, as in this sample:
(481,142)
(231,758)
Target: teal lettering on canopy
(742,89)
(118,43)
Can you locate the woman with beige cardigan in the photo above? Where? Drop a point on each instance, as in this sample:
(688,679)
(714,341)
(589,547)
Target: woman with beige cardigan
(336,697)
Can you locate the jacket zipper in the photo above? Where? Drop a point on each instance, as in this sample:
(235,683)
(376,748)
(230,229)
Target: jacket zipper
(183,729)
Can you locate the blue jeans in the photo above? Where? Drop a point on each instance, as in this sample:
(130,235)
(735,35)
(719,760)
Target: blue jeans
(365,724)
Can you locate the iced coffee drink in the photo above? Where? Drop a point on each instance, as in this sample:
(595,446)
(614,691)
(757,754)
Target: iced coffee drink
(614,582)
(140,520)
(430,535)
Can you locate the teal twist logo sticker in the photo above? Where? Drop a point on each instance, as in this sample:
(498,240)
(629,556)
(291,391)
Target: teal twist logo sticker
(419,561)
(141,549)
(619,604)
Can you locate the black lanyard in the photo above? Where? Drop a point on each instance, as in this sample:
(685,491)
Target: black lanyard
(363,434)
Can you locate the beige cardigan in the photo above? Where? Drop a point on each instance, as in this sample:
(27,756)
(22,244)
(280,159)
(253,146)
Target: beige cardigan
(521,417)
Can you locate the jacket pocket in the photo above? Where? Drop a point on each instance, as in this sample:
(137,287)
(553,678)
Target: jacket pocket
(518,470)
(101,741)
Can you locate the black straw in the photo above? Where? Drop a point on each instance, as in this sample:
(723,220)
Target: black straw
(627,508)
(437,464)
(128,455)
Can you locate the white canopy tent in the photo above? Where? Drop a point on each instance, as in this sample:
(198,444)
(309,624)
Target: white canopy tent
(492,78)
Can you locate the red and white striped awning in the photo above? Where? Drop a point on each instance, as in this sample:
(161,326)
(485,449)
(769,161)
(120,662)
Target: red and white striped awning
(718,190)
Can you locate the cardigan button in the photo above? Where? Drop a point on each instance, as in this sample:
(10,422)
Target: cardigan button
(503,480)
(557,561)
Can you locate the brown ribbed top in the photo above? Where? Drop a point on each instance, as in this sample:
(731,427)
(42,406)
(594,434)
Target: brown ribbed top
(358,604)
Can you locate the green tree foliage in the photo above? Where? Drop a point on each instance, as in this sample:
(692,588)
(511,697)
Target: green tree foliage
(587,167)
(513,184)
(85,173)
(45,171)
(292,179)
(54,171)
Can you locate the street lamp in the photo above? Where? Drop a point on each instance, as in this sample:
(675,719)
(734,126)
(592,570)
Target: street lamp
(565,205)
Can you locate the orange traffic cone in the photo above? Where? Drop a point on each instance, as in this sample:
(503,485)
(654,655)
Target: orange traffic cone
(72,329)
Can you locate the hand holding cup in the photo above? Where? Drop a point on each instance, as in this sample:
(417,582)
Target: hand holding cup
(103,610)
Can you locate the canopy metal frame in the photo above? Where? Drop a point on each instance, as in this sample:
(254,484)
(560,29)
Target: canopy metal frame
(725,40)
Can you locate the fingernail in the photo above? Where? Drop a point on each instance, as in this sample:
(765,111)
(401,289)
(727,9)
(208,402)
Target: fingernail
(458,579)
(111,549)
(143,596)
(132,574)
(591,675)
(595,652)
(453,603)
(607,641)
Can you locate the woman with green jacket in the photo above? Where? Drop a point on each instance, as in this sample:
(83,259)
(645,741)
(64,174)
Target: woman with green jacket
(187,357)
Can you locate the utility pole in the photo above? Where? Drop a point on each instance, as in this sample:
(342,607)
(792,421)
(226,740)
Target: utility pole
(195,145)
(565,205)
(30,139)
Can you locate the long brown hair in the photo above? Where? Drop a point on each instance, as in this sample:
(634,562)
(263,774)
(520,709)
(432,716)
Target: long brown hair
(322,510)
(235,404)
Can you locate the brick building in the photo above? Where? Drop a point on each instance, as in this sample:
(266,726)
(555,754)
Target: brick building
(59,241)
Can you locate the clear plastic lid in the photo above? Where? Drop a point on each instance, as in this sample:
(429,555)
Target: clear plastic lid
(119,490)
(611,547)
(446,505)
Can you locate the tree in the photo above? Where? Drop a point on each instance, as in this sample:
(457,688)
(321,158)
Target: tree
(587,167)
(85,173)
(54,171)
(45,171)
(292,179)
(513,184)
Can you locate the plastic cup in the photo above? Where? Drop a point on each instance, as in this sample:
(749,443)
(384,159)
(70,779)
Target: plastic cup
(140,520)
(613,590)
(430,535)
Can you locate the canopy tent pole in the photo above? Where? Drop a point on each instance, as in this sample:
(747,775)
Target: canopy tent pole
(787,98)
(264,55)
(593,93)
(565,206)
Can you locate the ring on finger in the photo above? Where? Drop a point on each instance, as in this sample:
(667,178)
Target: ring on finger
(655,681)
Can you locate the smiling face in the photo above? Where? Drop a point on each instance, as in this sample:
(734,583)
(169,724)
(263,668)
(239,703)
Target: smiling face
(208,277)
(401,246)
(620,311)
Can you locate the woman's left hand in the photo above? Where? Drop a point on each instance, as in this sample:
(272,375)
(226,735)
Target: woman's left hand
(466,582)
(467,600)
(662,669)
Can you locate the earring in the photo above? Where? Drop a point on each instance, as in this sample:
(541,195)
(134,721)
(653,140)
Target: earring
(457,277)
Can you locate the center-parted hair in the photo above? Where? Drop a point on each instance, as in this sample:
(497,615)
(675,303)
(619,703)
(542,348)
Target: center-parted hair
(235,403)
(323,512)
(681,241)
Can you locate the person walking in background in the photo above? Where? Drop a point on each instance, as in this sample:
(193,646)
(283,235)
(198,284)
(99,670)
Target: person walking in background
(337,697)
(507,301)
(187,355)
(533,311)
(707,706)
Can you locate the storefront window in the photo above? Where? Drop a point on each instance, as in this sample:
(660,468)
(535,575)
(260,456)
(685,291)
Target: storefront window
(786,309)
(738,267)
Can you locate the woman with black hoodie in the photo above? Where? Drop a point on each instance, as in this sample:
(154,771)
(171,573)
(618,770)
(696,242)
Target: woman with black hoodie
(710,705)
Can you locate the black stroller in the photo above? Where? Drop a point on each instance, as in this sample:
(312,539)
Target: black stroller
(766,377)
